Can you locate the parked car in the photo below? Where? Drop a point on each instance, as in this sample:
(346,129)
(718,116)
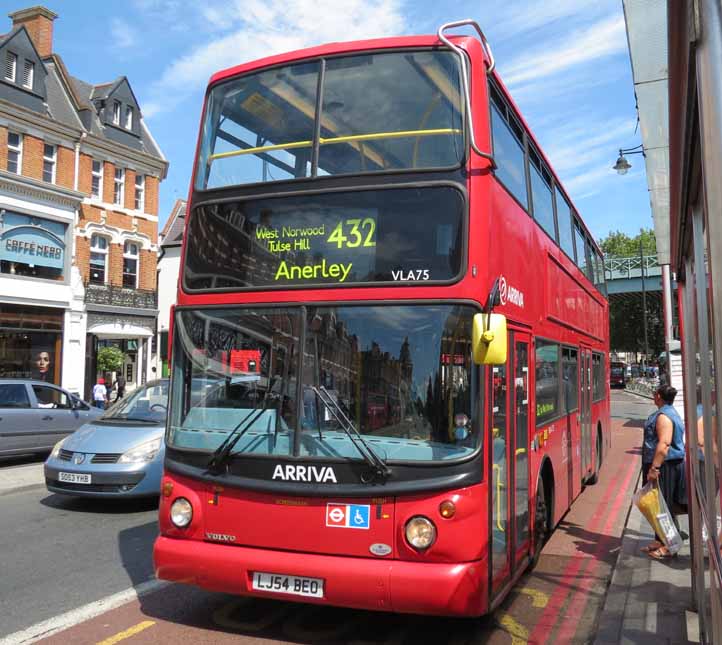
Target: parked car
(34,415)
(117,455)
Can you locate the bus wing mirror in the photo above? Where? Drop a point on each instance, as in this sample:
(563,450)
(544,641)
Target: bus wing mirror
(489,339)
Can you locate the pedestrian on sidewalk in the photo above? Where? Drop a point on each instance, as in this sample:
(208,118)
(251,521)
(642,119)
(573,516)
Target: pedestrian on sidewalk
(100,394)
(120,385)
(663,459)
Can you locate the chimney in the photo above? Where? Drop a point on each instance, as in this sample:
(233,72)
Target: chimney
(39,23)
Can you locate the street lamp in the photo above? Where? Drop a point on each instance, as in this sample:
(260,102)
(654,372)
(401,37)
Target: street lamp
(622,165)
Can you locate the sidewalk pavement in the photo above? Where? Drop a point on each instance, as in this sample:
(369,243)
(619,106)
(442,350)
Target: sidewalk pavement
(16,478)
(648,601)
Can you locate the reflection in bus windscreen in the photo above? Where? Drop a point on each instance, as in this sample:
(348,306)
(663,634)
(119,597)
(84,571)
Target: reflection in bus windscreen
(405,235)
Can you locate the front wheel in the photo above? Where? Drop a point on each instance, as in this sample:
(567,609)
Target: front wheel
(541,522)
(597,462)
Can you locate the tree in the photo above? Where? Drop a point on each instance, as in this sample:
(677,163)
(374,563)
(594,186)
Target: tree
(621,245)
(110,359)
(625,322)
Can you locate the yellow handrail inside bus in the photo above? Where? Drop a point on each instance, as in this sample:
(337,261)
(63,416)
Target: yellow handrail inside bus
(345,139)
(497,470)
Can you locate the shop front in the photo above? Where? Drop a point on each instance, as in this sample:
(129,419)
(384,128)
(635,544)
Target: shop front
(132,335)
(31,341)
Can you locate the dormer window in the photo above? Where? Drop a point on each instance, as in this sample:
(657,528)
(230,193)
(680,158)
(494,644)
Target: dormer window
(28,74)
(11,63)
(128,117)
(116,112)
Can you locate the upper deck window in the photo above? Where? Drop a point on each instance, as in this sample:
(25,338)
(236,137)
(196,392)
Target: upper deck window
(378,112)
(509,154)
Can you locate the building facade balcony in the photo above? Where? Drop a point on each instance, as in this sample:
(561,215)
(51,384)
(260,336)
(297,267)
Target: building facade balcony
(115,296)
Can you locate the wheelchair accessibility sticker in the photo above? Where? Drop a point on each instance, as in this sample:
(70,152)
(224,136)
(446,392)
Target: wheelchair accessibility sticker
(348,516)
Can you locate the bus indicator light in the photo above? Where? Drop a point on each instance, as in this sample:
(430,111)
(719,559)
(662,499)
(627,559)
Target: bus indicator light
(447,509)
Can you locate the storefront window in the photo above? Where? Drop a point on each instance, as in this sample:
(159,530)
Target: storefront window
(32,246)
(30,343)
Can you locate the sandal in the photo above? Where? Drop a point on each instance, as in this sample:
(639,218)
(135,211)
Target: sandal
(652,546)
(662,553)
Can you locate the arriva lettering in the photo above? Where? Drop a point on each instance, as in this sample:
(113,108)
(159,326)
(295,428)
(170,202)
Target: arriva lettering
(319,474)
(313,271)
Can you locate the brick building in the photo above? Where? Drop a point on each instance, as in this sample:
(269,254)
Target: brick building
(79,179)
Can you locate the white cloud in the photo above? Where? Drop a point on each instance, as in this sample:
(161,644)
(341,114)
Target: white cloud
(604,38)
(124,36)
(522,17)
(255,29)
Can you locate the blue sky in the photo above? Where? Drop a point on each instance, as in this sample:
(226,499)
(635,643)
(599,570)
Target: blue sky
(566,63)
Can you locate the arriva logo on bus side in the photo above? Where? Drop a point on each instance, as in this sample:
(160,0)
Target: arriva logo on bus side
(319,474)
(510,294)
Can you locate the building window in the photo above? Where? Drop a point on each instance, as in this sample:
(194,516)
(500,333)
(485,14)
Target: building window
(96,187)
(130,264)
(98,259)
(11,63)
(49,156)
(28,74)
(15,153)
(119,186)
(116,112)
(129,117)
(140,192)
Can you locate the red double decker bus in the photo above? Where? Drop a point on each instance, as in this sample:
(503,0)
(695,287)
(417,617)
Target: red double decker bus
(374,227)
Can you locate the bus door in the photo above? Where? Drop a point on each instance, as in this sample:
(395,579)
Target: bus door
(585,408)
(520,465)
(509,480)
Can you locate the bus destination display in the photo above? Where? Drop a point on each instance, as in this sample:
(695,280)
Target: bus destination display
(395,235)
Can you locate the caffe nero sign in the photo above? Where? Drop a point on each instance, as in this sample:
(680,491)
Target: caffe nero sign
(32,240)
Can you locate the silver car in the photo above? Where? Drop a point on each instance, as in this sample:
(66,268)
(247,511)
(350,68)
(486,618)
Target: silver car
(117,455)
(35,415)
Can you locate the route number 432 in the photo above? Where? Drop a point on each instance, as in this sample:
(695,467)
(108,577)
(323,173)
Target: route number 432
(354,232)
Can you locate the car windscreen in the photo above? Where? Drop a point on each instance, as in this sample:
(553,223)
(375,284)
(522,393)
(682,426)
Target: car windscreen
(402,375)
(376,112)
(397,235)
(147,404)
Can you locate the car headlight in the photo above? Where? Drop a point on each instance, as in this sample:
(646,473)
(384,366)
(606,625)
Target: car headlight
(420,532)
(142,453)
(181,512)
(56,449)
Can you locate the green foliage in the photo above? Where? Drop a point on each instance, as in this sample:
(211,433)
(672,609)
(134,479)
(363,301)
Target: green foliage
(626,321)
(110,359)
(618,244)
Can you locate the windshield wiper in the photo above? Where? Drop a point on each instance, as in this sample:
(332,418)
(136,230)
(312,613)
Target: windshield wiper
(134,419)
(378,465)
(221,454)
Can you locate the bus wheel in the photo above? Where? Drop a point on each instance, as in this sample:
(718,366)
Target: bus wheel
(541,521)
(597,461)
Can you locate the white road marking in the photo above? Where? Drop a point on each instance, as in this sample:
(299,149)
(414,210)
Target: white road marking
(74,617)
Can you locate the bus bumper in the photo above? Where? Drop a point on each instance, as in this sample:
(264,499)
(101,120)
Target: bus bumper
(361,583)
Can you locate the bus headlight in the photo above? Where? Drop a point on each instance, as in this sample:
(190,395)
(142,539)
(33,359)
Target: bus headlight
(420,532)
(181,512)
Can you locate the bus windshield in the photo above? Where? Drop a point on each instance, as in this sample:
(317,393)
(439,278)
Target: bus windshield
(386,111)
(403,376)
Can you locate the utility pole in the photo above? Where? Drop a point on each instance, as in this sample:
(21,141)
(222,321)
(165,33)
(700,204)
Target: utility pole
(644,304)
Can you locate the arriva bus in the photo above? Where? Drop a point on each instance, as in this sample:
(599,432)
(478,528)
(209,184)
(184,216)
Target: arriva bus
(388,354)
